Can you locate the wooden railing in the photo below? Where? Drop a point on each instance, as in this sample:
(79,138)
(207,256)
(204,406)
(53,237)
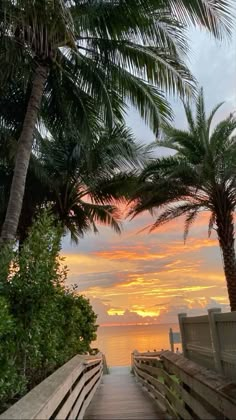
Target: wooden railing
(210,340)
(64,394)
(183,388)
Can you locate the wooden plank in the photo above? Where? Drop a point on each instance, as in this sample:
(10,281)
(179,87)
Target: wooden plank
(148,354)
(79,403)
(155,359)
(226,317)
(154,370)
(147,381)
(203,319)
(176,388)
(215,389)
(168,396)
(42,401)
(228,357)
(92,362)
(163,374)
(120,396)
(207,351)
(62,414)
(199,409)
(89,398)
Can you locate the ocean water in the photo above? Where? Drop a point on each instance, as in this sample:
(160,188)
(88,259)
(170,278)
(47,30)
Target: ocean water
(118,342)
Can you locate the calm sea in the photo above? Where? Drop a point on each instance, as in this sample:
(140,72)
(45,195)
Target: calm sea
(118,342)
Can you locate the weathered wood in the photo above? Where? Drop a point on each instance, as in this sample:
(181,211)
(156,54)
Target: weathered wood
(157,389)
(148,358)
(226,317)
(199,410)
(64,411)
(209,340)
(105,366)
(89,399)
(120,397)
(203,319)
(182,318)
(149,354)
(200,350)
(193,390)
(78,408)
(215,389)
(56,395)
(66,407)
(214,338)
(168,397)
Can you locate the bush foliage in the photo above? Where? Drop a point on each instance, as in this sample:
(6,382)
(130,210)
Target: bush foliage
(43,323)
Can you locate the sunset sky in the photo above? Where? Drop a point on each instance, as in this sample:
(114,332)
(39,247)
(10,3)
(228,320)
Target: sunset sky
(150,278)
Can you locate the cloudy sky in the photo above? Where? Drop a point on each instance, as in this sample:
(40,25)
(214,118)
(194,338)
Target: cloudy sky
(150,278)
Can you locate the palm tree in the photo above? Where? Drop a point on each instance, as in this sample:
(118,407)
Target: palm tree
(100,54)
(82,184)
(85,184)
(200,176)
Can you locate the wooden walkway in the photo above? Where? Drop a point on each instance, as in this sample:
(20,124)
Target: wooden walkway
(120,397)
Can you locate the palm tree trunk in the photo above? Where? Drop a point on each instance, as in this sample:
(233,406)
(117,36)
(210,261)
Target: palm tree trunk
(24,148)
(225,230)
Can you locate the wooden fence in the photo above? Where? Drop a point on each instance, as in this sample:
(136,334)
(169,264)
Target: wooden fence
(210,340)
(64,394)
(184,389)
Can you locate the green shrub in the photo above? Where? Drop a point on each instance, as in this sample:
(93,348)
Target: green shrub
(12,384)
(43,322)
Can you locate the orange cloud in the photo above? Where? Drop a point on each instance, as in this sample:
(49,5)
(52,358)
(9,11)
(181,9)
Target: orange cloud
(115,311)
(191,245)
(126,254)
(149,278)
(163,251)
(145,312)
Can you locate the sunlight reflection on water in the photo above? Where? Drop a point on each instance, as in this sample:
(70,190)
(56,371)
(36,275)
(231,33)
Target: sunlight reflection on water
(118,342)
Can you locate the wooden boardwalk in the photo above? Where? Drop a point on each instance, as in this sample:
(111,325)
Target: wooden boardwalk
(120,397)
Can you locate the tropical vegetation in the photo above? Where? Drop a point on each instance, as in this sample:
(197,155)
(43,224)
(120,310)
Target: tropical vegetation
(82,184)
(81,61)
(69,71)
(43,322)
(200,176)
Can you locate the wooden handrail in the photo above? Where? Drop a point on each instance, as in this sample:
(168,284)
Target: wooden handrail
(64,394)
(147,358)
(91,361)
(184,388)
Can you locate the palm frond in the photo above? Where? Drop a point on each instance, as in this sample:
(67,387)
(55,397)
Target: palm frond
(190,117)
(104,215)
(215,15)
(171,213)
(220,139)
(190,219)
(201,123)
(211,116)
(200,176)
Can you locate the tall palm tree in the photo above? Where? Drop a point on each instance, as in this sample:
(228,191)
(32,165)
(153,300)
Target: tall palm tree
(100,53)
(200,176)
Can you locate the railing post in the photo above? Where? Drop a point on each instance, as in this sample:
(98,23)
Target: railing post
(104,364)
(132,360)
(171,340)
(182,332)
(215,338)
